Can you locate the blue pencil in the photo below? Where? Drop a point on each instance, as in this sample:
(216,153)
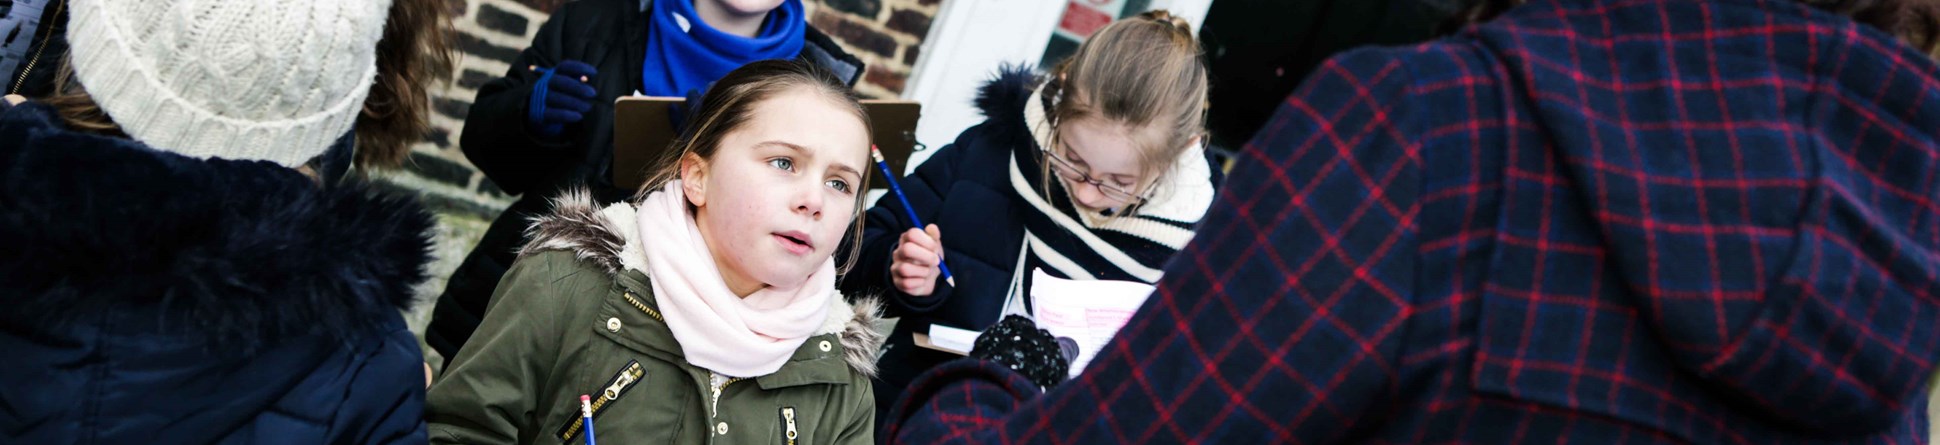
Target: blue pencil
(586,415)
(890,177)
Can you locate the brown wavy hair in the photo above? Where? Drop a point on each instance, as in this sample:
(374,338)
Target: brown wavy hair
(75,107)
(1915,22)
(414,55)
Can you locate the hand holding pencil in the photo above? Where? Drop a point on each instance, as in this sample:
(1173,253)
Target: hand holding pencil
(918,259)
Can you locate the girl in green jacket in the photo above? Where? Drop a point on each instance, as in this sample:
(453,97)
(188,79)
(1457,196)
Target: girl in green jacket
(704,310)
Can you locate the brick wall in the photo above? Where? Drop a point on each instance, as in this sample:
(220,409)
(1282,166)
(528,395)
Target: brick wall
(885,34)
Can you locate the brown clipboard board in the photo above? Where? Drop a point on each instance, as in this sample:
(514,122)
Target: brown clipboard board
(643,131)
(923,340)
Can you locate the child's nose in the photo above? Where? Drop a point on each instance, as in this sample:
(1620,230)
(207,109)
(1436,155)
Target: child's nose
(1088,195)
(808,201)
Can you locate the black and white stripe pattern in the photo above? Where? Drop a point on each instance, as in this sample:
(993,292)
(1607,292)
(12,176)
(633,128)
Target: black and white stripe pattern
(1068,243)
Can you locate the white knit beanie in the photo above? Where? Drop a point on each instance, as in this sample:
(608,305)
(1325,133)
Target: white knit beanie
(274,80)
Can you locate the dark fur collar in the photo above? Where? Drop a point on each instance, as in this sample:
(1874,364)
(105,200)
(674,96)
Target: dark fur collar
(244,252)
(1002,100)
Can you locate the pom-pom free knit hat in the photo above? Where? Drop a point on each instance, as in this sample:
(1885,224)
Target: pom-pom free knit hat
(273,80)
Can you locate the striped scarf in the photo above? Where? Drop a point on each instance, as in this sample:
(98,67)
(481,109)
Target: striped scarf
(1084,245)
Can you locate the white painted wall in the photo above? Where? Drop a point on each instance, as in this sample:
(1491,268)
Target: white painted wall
(967,42)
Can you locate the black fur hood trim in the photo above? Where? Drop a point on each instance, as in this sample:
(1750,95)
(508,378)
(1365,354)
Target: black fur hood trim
(241,252)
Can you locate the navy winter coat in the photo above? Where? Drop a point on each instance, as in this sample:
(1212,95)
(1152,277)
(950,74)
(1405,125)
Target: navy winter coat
(158,299)
(968,190)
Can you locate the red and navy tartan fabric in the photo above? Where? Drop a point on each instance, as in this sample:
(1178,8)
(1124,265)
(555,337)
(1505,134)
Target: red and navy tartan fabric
(1645,221)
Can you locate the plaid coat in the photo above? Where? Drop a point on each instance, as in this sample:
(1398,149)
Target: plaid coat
(1621,221)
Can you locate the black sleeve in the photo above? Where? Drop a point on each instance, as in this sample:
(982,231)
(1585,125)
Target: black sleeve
(887,221)
(495,137)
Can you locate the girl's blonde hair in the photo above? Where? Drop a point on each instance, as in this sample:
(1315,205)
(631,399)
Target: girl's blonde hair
(1140,71)
(730,103)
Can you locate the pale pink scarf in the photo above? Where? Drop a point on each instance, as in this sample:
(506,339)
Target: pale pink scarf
(737,337)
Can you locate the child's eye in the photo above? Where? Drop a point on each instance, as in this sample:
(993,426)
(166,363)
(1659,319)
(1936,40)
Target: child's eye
(782,163)
(839,185)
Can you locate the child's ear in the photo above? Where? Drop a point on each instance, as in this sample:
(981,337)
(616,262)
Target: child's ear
(693,179)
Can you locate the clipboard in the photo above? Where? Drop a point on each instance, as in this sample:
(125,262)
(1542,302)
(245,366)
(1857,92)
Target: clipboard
(923,341)
(964,339)
(643,131)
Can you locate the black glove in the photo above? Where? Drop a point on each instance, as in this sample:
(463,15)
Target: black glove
(560,96)
(1017,343)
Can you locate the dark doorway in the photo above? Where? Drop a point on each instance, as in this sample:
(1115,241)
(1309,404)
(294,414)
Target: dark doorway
(1259,50)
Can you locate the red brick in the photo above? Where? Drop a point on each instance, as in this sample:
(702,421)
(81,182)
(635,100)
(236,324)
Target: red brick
(453,108)
(467,43)
(825,21)
(497,19)
(438,136)
(861,8)
(472,79)
(858,37)
(883,77)
(910,54)
(910,22)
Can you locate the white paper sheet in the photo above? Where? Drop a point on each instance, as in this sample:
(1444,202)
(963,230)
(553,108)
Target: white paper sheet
(1087,311)
(956,340)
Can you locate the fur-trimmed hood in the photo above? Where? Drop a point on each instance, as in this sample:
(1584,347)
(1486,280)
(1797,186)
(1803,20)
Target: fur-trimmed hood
(1001,100)
(240,252)
(606,238)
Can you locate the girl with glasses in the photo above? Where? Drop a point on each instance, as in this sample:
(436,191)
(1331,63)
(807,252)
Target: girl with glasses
(1094,171)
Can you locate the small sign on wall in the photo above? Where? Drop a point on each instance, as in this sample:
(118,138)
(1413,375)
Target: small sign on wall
(1083,17)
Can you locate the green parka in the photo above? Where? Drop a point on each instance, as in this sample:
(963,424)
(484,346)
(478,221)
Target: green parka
(576,315)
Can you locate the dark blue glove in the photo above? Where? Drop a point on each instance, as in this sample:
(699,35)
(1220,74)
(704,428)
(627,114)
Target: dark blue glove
(561,96)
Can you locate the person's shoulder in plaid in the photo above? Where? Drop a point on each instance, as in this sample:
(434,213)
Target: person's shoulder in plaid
(1613,221)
